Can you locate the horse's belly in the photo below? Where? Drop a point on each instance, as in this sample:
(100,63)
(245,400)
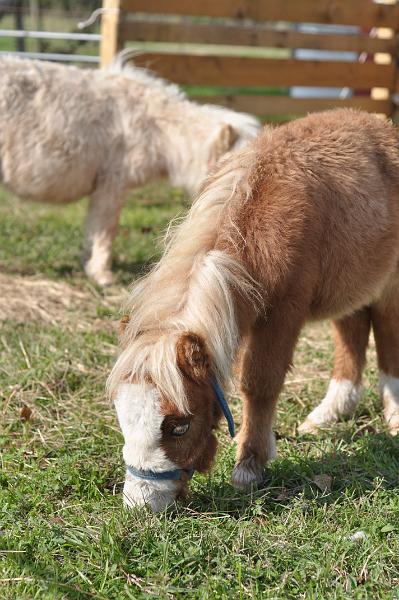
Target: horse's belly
(49,164)
(345,294)
(47,178)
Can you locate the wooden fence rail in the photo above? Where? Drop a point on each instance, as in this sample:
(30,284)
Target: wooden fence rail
(250,54)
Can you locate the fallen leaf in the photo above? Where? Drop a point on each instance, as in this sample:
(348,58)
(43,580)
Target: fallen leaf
(26,413)
(286,493)
(323,482)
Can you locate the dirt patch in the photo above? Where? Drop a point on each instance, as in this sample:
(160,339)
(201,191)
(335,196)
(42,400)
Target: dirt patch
(25,299)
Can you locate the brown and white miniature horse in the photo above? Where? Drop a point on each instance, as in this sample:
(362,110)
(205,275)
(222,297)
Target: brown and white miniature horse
(301,225)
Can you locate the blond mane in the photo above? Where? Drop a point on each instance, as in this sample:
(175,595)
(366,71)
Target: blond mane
(190,289)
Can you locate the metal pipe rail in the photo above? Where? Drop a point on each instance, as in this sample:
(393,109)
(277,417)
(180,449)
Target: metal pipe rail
(79,58)
(50,35)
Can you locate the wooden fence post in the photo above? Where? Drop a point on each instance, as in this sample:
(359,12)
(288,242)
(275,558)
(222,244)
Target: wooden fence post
(109,31)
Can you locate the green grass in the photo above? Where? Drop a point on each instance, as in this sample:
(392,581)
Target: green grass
(63,532)
(49,240)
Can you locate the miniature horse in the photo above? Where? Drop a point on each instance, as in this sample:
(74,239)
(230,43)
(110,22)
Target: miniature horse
(66,133)
(301,225)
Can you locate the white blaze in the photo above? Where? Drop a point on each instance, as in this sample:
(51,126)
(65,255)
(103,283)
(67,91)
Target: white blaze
(140,418)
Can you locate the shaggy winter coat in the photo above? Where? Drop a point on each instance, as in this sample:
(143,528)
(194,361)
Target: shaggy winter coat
(301,225)
(67,132)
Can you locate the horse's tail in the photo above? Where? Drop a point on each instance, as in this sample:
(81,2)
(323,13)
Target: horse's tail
(123,60)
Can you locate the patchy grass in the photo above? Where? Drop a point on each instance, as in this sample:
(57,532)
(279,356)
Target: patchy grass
(63,532)
(48,240)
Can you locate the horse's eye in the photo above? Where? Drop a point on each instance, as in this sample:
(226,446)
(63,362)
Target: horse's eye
(179,430)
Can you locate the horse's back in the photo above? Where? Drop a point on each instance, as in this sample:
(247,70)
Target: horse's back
(50,139)
(324,220)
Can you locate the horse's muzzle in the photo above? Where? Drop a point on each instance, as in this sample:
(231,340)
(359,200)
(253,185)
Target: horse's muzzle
(156,494)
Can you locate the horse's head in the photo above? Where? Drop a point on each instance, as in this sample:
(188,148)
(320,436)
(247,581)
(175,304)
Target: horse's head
(163,444)
(207,134)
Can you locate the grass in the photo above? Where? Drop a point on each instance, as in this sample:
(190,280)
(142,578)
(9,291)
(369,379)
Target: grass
(63,532)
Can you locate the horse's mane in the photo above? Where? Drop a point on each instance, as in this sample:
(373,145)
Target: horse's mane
(190,289)
(123,64)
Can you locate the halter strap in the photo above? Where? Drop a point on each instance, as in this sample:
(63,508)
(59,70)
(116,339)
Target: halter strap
(223,406)
(176,474)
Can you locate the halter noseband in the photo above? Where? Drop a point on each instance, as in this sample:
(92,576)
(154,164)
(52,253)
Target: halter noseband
(177,474)
(174,475)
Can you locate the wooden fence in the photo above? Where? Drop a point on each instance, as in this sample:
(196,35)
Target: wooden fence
(248,51)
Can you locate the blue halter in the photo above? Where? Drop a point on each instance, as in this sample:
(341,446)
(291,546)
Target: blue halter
(224,407)
(176,474)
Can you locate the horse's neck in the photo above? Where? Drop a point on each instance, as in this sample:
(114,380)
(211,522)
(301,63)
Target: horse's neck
(185,133)
(215,310)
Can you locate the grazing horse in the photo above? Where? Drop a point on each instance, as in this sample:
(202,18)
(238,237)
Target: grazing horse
(301,225)
(66,133)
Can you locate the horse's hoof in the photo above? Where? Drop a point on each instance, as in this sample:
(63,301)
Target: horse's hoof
(246,473)
(393,424)
(309,426)
(105,279)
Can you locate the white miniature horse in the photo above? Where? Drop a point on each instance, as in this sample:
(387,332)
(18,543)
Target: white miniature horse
(67,133)
(303,224)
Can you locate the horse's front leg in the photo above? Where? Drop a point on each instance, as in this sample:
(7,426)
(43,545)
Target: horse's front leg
(266,360)
(101,228)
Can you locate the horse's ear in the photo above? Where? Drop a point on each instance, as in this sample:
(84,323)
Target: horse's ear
(123,323)
(221,142)
(192,356)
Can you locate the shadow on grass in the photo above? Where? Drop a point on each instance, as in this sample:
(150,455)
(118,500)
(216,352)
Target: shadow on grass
(67,270)
(52,271)
(349,474)
(127,272)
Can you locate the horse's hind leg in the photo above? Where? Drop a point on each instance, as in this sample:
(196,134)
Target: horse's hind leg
(385,319)
(351,337)
(266,359)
